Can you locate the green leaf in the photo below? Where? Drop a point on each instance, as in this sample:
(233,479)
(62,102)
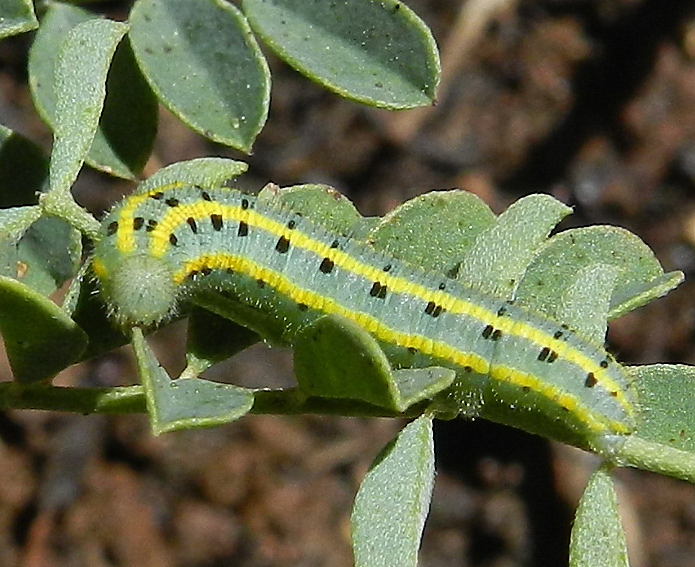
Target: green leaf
(451,221)
(42,252)
(392,503)
(127,127)
(17,16)
(23,169)
(321,203)
(664,440)
(49,254)
(58,20)
(377,53)
(667,404)
(641,279)
(261,323)
(501,254)
(204,64)
(336,358)
(185,403)
(128,124)
(363,227)
(637,294)
(212,339)
(597,535)
(417,384)
(585,300)
(208,173)
(15,221)
(83,62)
(40,339)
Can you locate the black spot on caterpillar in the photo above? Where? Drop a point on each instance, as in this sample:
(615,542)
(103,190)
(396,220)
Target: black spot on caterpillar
(217,222)
(326,266)
(283,245)
(433,309)
(378,290)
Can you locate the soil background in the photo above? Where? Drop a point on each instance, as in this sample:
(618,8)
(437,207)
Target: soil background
(592,101)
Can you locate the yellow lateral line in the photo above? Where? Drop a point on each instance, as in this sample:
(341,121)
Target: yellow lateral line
(199,210)
(437,349)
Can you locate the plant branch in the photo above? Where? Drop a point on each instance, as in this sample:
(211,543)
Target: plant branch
(121,400)
(131,399)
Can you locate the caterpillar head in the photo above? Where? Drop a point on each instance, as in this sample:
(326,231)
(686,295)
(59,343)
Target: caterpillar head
(138,289)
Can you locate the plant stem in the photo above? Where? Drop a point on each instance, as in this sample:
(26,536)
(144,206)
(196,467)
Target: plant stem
(131,399)
(63,206)
(122,400)
(636,452)
(656,457)
(293,402)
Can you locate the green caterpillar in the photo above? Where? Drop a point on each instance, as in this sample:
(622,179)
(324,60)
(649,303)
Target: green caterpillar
(164,246)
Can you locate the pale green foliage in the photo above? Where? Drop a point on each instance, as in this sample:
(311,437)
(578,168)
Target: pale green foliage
(393,500)
(597,534)
(202,61)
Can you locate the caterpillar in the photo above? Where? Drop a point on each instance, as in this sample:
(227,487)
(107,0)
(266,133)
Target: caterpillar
(164,246)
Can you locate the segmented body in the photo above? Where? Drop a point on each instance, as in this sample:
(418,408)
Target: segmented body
(175,242)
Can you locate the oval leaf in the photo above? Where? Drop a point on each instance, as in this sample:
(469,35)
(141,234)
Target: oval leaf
(128,123)
(584,301)
(23,169)
(48,254)
(377,53)
(58,20)
(185,403)
(208,173)
(597,535)
(336,358)
(393,500)
(558,261)
(41,252)
(17,17)
(40,339)
(501,254)
(14,222)
(451,221)
(321,203)
(203,63)
(667,399)
(83,63)
(211,339)
(664,440)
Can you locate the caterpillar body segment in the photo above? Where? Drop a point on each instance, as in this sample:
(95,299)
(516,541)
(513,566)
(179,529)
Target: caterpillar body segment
(167,245)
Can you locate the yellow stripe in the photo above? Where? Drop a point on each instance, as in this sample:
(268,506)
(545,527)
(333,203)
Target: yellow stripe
(99,269)
(199,210)
(597,422)
(437,349)
(125,236)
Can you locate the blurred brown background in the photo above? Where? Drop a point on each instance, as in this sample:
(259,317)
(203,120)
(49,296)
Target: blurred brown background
(592,101)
